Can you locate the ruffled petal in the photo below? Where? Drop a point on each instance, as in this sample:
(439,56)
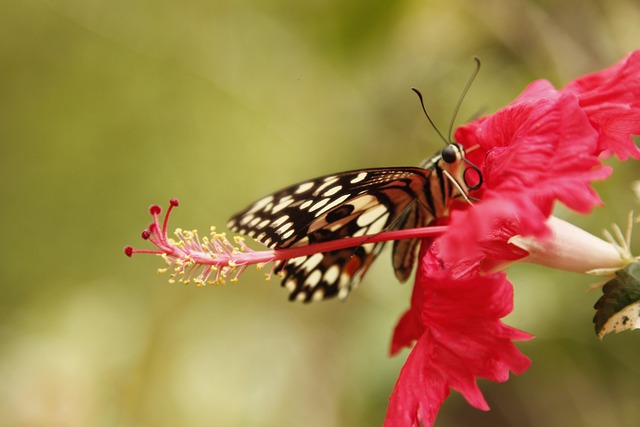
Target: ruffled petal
(611,100)
(460,339)
(538,150)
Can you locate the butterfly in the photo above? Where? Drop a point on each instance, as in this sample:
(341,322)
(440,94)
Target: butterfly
(356,203)
(353,203)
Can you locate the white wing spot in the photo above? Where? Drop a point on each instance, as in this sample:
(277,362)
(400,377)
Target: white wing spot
(306,204)
(245,219)
(319,204)
(304,187)
(290,284)
(254,221)
(364,202)
(281,205)
(318,294)
(333,204)
(288,234)
(280,220)
(332,191)
(312,262)
(261,204)
(360,177)
(371,215)
(332,274)
(313,279)
(327,182)
(263,224)
(378,225)
(297,261)
(284,228)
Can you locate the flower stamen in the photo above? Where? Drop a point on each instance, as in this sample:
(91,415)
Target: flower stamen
(622,244)
(213,259)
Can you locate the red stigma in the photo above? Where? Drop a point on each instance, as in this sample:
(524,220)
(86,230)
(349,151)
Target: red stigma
(155,210)
(128,251)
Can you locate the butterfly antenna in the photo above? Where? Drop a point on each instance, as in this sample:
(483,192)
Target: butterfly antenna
(464,93)
(427,114)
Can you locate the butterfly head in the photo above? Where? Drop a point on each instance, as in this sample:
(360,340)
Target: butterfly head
(451,158)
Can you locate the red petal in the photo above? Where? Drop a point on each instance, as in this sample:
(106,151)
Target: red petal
(611,99)
(539,149)
(408,329)
(461,338)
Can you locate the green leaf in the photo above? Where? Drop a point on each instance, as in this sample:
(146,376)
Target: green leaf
(619,308)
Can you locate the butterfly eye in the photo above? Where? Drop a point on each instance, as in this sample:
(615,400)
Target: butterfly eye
(450,154)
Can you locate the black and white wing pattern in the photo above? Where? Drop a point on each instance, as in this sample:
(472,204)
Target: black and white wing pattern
(355,203)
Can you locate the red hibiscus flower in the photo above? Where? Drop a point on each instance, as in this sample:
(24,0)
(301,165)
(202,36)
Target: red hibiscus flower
(544,147)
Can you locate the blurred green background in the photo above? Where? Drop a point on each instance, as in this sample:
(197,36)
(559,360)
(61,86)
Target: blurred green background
(107,107)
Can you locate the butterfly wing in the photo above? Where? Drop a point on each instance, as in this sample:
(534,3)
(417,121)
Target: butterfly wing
(328,274)
(332,207)
(404,250)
